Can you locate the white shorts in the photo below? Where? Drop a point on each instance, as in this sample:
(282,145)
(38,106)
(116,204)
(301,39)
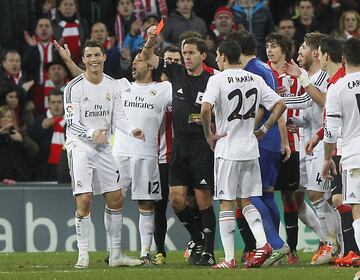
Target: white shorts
(92,170)
(237,179)
(310,171)
(141,175)
(351,186)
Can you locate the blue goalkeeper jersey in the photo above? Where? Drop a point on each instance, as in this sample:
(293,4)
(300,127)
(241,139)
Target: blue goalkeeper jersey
(272,139)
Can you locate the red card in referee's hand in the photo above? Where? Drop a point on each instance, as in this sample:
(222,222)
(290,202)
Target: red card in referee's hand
(160,27)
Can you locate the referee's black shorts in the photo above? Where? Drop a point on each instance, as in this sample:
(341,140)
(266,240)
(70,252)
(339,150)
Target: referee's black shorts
(192,163)
(289,173)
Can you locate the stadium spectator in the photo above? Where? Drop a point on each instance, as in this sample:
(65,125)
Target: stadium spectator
(14,20)
(280,9)
(45,9)
(220,28)
(287,28)
(306,22)
(40,53)
(118,61)
(328,12)
(69,28)
(349,25)
(182,19)
(14,97)
(16,148)
(255,17)
(48,132)
(145,8)
(124,20)
(97,10)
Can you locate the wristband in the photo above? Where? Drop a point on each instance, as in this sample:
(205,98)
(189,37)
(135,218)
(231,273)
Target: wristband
(304,80)
(263,129)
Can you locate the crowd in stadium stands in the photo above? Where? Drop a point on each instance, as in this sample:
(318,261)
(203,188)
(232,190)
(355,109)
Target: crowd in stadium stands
(35,71)
(31,68)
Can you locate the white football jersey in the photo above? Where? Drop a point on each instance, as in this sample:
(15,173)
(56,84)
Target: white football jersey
(236,95)
(145,105)
(343,106)
(91,106)
(312,114)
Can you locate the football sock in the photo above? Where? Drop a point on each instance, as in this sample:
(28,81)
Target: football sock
(272,234)
(186,217)
(227,233)
(160,225)
(326,218)
(146,229)
(82,226)
(253,218)
(347,229)
(356,226)
(245,232)
(208,222)
(113,225)
(309,218)
(291,225)
(338,230)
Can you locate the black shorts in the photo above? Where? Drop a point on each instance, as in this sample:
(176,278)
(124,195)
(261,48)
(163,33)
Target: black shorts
(192,164)
(164,180)
(289,173)
(336,183)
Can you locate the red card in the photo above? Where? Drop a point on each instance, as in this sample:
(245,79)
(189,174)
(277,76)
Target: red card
(160,27)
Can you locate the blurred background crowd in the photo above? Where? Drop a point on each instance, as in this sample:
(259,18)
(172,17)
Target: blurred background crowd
(33,77)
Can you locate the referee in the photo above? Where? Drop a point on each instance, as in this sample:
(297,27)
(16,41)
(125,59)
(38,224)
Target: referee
(192,160)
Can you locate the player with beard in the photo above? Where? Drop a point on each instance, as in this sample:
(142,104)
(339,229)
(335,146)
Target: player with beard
(314,80)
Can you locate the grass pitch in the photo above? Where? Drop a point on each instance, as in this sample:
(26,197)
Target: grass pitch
(61,266)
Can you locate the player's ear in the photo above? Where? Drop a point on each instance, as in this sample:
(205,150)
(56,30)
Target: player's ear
(105,57)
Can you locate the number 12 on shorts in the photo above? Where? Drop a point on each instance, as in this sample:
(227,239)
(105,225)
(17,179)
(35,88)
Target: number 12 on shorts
(154,187)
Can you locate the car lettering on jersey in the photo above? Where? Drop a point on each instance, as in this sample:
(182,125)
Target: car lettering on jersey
(241,79)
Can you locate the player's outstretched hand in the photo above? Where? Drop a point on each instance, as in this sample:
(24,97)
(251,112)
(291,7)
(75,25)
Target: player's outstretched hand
(329,169)
(311,144)
(99,136)
(63,51)
(138,133)
(213,138)
(292,69)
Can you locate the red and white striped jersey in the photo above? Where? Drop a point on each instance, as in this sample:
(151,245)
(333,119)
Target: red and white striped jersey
(293,89)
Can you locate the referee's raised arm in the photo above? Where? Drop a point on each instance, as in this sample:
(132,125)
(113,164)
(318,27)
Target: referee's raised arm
(148,49)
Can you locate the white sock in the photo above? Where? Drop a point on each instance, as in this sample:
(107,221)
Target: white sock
(227,233)
(356,226)
(309,218)
(253,217)
(107,235)
(113,220)
(146,229)
(82,226)
(338,230)
(326,218)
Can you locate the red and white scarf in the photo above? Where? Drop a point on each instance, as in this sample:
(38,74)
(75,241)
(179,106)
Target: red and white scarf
(71,36)
(57,140)
(142,11)
(46,56)
(120,30)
